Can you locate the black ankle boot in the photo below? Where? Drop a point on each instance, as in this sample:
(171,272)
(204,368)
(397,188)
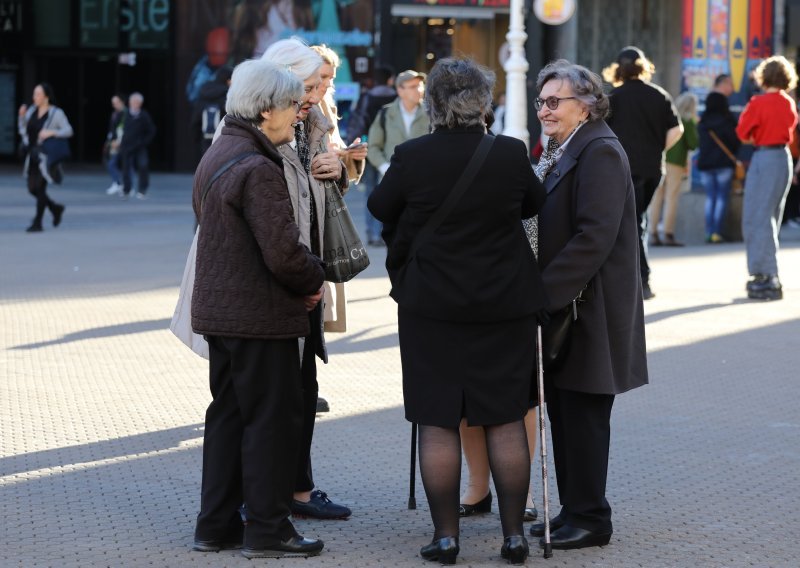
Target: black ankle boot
(444,550)
(765,287)
(515,549)
(35,227)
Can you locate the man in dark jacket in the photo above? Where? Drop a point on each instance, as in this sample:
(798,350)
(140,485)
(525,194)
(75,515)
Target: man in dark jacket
(136,137)
(647,124)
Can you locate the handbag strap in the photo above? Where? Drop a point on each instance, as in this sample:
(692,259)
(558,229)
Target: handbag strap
(475,163)
(222,169)
(723,147)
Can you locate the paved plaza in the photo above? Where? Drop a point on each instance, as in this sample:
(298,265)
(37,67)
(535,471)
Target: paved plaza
(101,408)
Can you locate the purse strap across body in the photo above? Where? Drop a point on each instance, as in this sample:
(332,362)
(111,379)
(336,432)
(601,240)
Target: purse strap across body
(723,147)
(222,169)
(475,163)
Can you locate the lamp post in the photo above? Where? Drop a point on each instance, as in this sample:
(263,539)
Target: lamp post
(516,68)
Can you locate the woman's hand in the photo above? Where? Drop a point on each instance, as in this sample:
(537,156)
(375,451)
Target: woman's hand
(327,165)
(357,150)
(312,301)
(23,109)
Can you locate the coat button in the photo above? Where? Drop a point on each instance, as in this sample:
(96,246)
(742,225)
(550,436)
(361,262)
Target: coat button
(556,172)
(305,194)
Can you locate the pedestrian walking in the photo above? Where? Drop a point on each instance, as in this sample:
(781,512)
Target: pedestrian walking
(646,123)
(668,194)
(41,122)
(116,126)
(466,283)
(137,135)
(587,249)
(768,122)
(209,109)
(254,288)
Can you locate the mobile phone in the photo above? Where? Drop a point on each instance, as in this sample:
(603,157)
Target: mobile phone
(356,146)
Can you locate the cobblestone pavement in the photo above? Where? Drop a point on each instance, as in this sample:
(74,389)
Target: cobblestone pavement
(101,409)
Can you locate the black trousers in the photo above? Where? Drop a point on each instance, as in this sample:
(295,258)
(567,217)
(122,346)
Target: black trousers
(305,479)
(580,425)
(139,161)
(252,435)
(37,187)
(644,188)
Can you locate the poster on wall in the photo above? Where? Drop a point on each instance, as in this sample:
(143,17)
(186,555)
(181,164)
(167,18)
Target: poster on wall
(725,36)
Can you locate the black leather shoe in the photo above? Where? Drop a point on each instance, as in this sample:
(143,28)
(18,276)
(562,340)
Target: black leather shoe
(215,545)
(34,228)
(319,507)
(297,546)
(515,549)
(58,212)
(530,515)
(444,550)
(322,405)
(555,523)
(567,538)
(482,506)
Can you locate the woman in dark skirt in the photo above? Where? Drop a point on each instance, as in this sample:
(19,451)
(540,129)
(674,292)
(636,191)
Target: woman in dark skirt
(468,299)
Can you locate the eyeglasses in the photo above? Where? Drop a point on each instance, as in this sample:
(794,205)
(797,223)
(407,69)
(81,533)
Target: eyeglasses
(297,105)
(551,102)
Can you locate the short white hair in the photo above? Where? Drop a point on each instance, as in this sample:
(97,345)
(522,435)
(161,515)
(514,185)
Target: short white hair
(295,55)
(257,86)
(136,95)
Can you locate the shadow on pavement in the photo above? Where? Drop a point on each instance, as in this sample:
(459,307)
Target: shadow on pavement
(101,332)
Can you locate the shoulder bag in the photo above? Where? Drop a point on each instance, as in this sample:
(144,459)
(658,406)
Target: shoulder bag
(475,163)
(181,323)
(342,250)
(740,171)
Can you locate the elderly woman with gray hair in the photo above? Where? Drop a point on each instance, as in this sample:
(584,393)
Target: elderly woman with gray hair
(256,282)
(588,255)
(468,291)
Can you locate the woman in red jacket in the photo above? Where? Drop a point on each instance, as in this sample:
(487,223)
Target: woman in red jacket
(768,122)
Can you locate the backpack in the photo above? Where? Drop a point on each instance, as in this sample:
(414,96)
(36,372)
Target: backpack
(209,121)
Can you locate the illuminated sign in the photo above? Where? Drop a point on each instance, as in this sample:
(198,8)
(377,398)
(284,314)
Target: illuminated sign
(145,22)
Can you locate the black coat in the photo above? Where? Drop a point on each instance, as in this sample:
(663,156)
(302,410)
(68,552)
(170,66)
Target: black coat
(139,131)
(478,266)
(587,234)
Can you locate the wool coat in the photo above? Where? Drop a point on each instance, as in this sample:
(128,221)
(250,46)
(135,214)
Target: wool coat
(252,269)
(588,235)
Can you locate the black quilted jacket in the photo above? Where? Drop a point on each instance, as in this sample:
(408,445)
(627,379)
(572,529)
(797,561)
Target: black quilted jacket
(251,271)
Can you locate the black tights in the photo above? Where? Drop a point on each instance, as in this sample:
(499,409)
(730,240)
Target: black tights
(37,187)
(440,466)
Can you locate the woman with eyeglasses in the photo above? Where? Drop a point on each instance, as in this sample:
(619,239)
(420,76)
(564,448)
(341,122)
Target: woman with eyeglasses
(256,284)
(587,248)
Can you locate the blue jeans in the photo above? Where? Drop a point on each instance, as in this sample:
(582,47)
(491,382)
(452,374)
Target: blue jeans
(717,183)
(113,168)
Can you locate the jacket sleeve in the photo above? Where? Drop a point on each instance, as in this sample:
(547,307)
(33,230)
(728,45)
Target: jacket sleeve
(267,209)
(150,129)
(601,192)
(535,193)
(377,143)
(60,124)
(747,122)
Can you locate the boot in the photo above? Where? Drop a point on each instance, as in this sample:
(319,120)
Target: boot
(765,287)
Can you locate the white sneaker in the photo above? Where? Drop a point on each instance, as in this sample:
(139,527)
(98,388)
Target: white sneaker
(141,196)
(114,189)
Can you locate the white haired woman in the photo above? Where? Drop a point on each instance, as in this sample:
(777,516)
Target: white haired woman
(308,163)
(255,283)
(468,313)
(588,247)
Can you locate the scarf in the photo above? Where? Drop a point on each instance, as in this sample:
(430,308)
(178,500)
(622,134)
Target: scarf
(546,163)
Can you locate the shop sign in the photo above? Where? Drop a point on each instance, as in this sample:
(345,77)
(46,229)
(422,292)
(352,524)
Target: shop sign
(145,22)
(10,16)
(554,12)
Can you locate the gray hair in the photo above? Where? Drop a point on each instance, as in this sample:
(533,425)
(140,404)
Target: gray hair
(258,85)
(137,95)
(458,93)
(686,105)
(295,55)
(586,86)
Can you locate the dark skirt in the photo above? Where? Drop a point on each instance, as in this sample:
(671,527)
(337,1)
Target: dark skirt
(481,371)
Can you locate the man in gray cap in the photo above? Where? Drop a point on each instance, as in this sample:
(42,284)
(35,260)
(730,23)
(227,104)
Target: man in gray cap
(397,122)
(646,123)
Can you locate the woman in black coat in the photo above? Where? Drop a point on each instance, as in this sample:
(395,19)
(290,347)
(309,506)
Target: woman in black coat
(588,245)
(468,299)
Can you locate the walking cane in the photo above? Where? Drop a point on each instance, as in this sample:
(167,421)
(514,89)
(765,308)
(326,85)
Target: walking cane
(548,547)
(412,499)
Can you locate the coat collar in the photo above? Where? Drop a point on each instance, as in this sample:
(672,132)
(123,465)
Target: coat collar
(588,133)
(238,127)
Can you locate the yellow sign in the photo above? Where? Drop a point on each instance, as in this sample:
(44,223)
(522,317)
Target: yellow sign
(554,12)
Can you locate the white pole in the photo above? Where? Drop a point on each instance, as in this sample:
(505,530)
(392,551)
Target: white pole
(516,67)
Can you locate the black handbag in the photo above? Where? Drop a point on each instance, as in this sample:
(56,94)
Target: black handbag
(343,252)
(557,334)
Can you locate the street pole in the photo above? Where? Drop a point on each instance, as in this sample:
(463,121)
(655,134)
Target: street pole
(516,68)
